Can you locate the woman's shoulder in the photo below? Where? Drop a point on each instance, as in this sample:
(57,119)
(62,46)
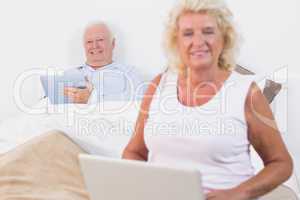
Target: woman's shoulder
(240,81)
(148,95)
(255,95)
(154,84)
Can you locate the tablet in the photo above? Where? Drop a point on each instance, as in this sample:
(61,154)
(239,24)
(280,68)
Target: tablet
(53,85)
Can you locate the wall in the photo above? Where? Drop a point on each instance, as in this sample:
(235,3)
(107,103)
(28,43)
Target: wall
(39,34)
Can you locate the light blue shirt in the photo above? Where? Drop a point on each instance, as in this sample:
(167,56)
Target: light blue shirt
(113,82)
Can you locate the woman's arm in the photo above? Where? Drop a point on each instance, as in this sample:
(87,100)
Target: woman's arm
(136,148)
(266,140)
(263,134)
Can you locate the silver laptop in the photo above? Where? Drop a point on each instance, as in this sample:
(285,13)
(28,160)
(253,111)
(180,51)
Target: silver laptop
(115,179)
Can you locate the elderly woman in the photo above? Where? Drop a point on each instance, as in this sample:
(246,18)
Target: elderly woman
(205,115)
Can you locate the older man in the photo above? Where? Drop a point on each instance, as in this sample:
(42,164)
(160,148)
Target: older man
(106,79)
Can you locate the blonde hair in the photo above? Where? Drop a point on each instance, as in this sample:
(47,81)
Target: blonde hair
(215,8)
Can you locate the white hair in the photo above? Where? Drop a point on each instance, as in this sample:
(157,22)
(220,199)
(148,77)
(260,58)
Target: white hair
(99,23)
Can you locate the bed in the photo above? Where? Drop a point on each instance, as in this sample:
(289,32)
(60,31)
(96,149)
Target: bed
(38,150)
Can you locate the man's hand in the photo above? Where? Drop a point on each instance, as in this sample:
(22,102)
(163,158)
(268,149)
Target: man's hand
(79,95)
(232,194)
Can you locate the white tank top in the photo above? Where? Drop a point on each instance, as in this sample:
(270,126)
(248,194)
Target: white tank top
(211,137)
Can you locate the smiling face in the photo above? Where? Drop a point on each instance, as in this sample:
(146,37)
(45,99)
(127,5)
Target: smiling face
(98,46)
(199,40)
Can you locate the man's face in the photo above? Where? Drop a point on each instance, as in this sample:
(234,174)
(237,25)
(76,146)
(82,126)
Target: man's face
(98,46)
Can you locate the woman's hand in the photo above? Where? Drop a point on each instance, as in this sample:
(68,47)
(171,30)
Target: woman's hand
(231,194)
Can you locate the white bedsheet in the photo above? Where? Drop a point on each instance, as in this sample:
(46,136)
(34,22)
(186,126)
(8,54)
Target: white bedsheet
(98,129)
